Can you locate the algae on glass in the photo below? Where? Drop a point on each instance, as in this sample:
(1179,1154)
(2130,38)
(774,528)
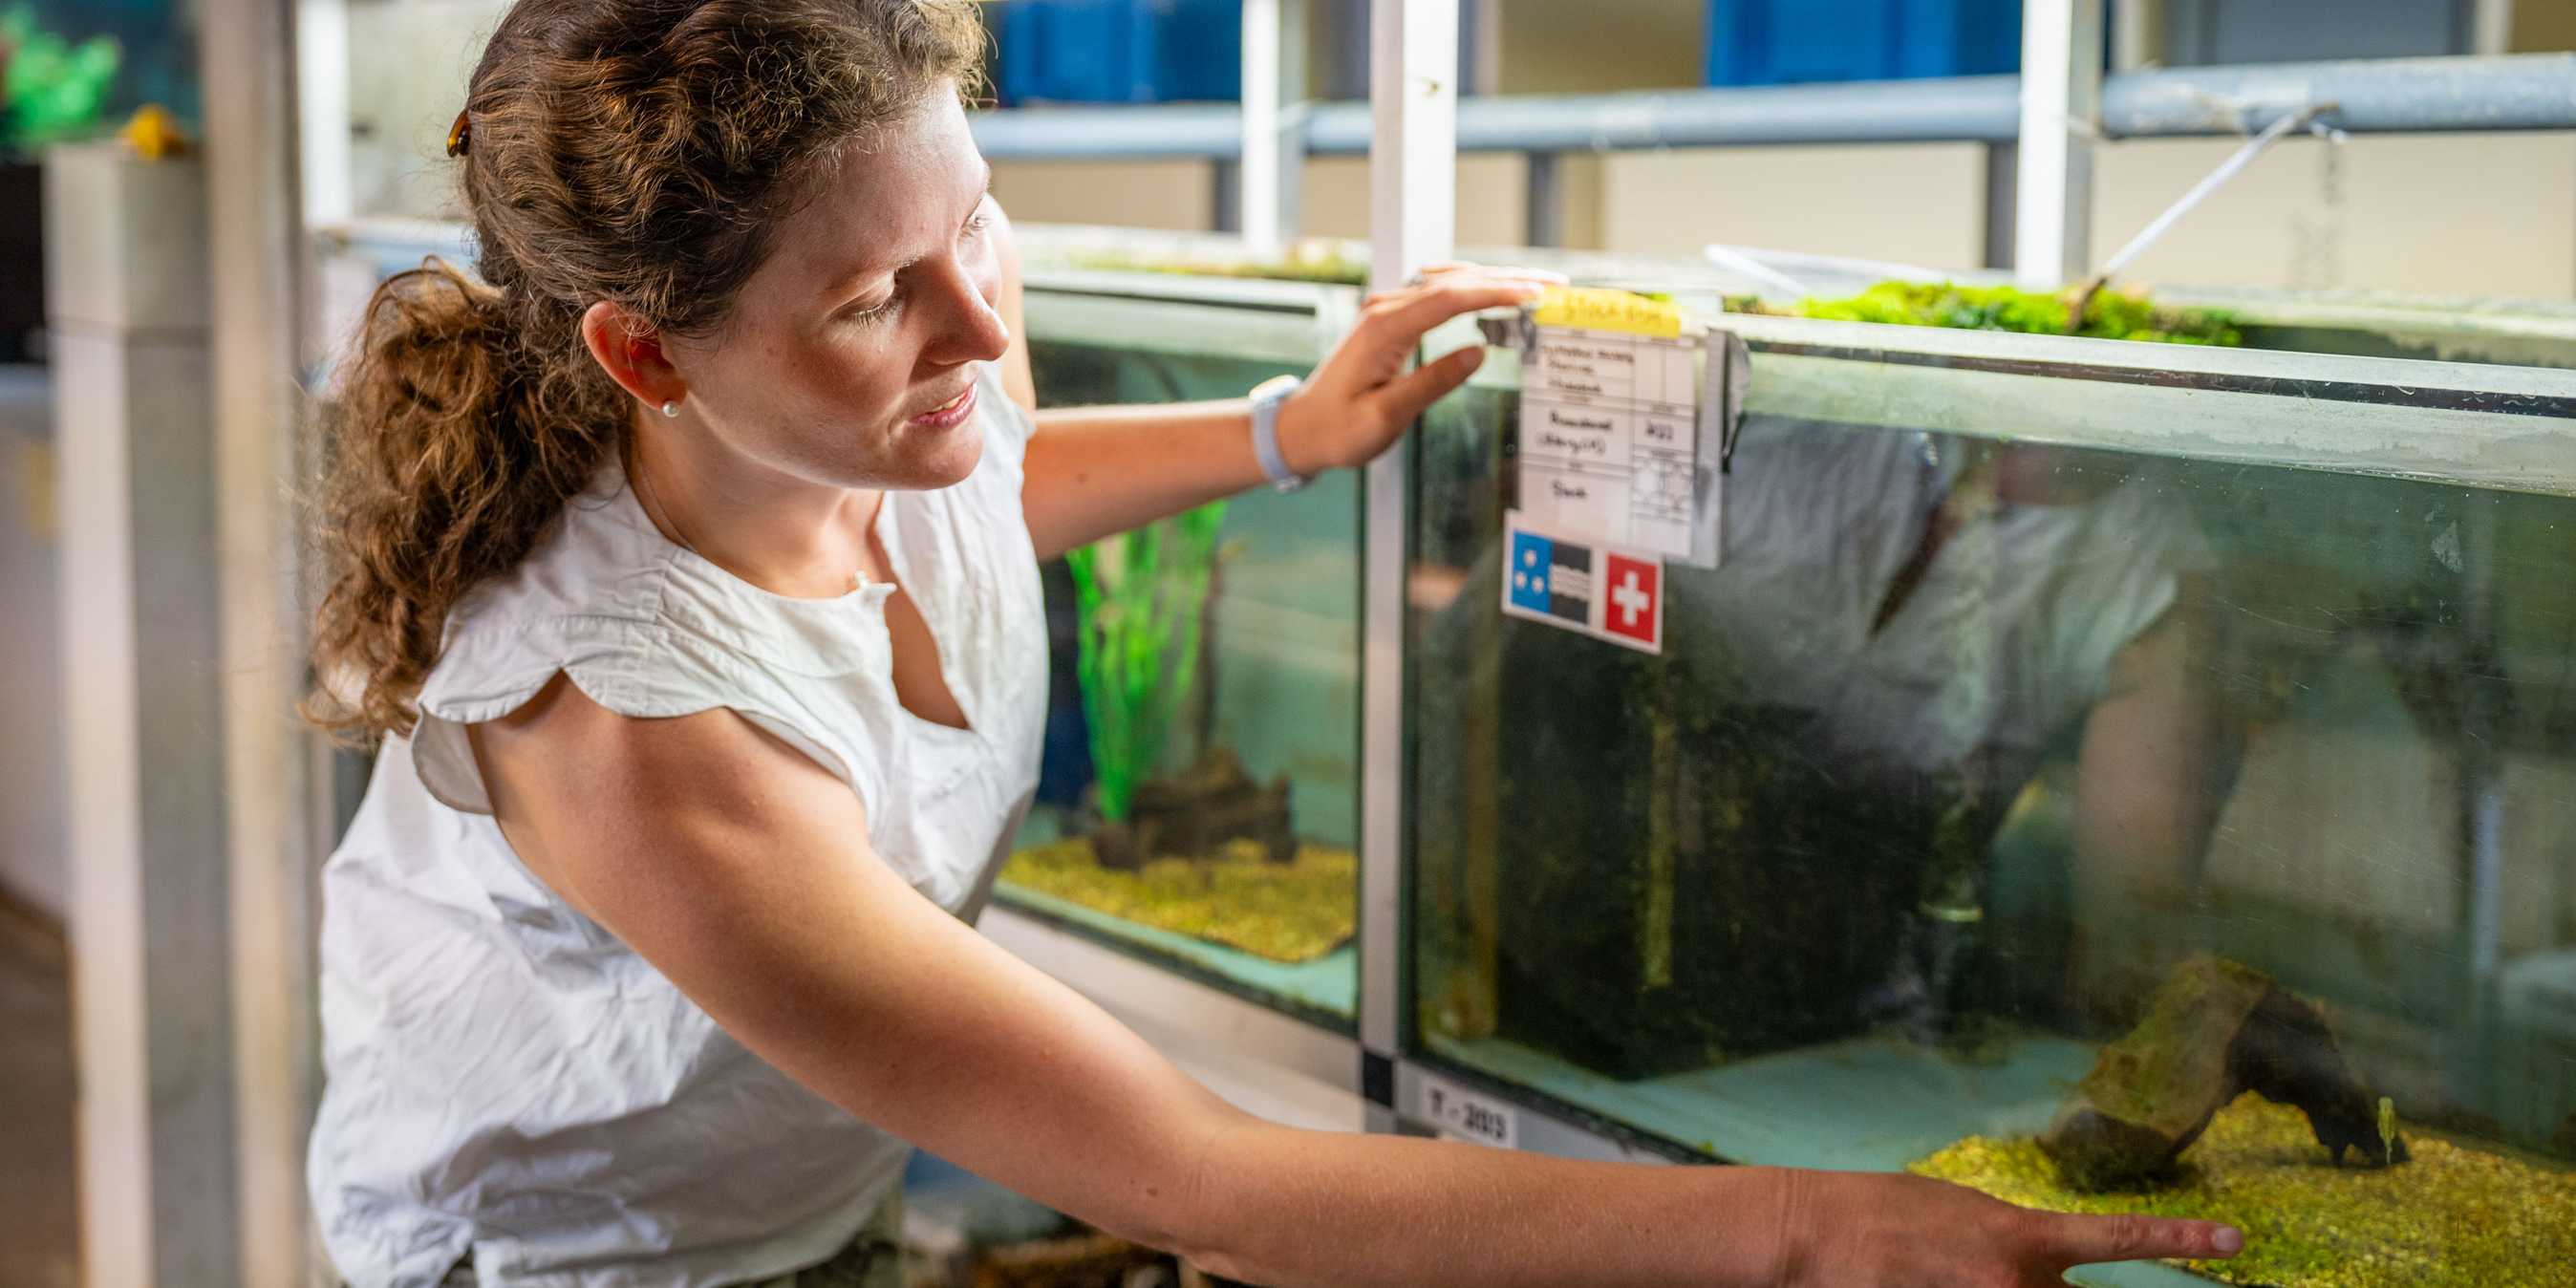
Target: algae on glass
(1684,888)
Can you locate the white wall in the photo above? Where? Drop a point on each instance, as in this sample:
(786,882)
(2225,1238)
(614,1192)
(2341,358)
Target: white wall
(1910,203)
(1490,203)
(2462,214)
(408,64)
(1178,195)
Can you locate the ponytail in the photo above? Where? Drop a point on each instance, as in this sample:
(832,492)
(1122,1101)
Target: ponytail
(457,440)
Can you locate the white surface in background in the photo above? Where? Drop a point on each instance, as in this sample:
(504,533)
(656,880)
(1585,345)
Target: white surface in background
(408,61)
(2461,214)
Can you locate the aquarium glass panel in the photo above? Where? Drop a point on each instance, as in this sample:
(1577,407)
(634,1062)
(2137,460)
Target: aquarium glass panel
(1198,803)
(2105,788)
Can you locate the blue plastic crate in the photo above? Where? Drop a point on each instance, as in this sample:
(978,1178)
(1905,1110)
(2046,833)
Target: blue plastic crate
(1783,42)
(1121,51)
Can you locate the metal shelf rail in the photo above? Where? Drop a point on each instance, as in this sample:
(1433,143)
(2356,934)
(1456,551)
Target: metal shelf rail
(1259,148)
(2395,95)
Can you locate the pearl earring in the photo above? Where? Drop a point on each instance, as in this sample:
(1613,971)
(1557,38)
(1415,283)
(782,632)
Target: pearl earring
(671,409)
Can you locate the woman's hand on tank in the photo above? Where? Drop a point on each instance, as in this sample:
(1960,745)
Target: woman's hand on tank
(1362,397)
(1855,1228)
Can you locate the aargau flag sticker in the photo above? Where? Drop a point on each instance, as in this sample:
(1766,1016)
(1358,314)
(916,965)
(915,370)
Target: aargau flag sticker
(1582,586)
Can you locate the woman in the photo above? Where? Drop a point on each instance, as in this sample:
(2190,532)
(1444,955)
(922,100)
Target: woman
(688,574)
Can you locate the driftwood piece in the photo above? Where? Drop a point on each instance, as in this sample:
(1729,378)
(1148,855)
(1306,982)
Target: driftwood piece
(1194,814)
(2215,1030)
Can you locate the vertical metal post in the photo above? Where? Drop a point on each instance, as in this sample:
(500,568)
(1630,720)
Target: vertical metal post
(2490,26)
(1296,30)
(255,170)
(2061,109)
(1480,47)
(1257,179)
(2137,34)
(1543,200)
(145,797)
(2003,193)
(1225,196)
(322,110)
(1413,166)
(1346,67)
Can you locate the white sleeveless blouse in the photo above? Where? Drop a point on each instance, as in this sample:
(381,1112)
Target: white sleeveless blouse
(508,1082)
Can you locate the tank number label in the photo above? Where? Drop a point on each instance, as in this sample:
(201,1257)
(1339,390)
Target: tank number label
(1464,1115)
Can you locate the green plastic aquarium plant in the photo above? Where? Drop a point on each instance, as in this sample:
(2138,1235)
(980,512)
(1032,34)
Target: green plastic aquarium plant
(1141,597)
(51,89)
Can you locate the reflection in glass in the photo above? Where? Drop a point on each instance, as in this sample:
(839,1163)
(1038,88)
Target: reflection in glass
(1978,760)
(1198,795)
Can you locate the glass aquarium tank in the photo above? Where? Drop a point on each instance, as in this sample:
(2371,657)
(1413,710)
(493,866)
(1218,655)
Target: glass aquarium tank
(2115,775)
(1198,800)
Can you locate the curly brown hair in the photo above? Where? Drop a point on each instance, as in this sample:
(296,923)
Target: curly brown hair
(635,151)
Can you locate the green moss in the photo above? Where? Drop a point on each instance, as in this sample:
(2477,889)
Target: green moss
(2455,1217)
(2112,315)
(2178,1052)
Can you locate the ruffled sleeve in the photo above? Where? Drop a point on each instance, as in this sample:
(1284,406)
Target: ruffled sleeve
(647,630)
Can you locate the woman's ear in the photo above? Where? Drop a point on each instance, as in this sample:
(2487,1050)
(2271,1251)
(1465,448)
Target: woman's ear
(630,351)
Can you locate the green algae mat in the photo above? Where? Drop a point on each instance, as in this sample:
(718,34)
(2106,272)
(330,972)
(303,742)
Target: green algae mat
(1286,912)
(2109,315)
(2452,1218)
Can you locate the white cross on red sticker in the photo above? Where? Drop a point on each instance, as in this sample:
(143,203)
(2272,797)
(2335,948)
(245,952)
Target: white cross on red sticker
(1633,610)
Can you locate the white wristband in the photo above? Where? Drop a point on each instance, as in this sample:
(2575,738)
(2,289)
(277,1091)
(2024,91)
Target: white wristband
(1266,398)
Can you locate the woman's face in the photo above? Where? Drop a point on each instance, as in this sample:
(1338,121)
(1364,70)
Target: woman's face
(847,359)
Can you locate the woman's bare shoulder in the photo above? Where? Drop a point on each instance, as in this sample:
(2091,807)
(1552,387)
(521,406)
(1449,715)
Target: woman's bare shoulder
(583,791)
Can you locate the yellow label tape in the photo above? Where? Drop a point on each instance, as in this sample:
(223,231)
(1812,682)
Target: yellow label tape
(1594,308)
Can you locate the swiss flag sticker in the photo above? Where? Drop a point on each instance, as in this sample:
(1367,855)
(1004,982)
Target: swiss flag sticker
(1632,600)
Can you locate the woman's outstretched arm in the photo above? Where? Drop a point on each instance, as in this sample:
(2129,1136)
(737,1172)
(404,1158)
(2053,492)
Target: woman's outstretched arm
(742,871)
(1094,471)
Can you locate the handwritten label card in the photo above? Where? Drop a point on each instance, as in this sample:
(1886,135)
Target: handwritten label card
(1610,422)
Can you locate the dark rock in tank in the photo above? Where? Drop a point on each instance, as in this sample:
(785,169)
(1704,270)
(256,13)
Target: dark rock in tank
(2215,1030)
(1193,814)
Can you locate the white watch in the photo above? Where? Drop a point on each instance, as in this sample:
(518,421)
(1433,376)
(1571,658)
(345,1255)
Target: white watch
(1266,398)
